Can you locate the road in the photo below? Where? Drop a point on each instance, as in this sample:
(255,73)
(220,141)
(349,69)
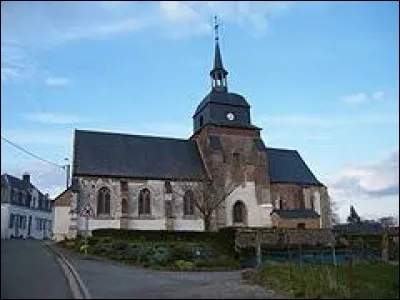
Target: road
(112,280)
(29,271)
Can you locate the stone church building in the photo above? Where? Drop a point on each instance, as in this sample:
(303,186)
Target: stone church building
(135,182)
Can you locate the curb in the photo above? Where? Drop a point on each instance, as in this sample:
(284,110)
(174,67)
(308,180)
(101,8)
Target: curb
(77,287)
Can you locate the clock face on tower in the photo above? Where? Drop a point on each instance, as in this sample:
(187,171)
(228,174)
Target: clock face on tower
(230,116)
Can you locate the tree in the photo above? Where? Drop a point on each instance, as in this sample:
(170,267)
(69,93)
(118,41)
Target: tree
(353,217)
(333,211)
(387,221)
(210,192)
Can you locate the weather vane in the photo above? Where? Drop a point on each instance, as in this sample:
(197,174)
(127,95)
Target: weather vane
(216,25)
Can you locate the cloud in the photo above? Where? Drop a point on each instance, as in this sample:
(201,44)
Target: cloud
(355,99)
(360,98)
(373,189)
(328,121)
(16,65)
(57,81)
(53,118)
(375,180)
(104,30)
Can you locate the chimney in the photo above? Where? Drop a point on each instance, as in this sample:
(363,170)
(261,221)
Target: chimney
(26,178)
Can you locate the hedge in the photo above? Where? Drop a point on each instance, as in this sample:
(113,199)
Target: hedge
(224,239)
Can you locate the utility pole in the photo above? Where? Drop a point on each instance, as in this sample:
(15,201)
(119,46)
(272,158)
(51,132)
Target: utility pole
(67,169)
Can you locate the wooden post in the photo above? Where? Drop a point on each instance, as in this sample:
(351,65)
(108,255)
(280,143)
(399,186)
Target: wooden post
(258,247)
(385,246)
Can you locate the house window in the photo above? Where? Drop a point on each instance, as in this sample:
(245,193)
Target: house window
(312,200)
(201,121)
(21,222)
(188,203)
(168,187)
(124,186)
(301,225)
(103,201)
(11,224)
(239,212)
(20,198)
(124,206)
(28,200)
(144,201)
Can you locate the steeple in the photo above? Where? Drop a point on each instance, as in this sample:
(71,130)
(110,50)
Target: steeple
(218,73)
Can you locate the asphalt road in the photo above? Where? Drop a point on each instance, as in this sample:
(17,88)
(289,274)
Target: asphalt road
(29,271)
(113,280)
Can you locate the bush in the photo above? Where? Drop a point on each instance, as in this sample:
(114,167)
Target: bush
(223,240)
(184,265)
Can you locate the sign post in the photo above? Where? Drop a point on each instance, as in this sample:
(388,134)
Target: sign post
(86,212)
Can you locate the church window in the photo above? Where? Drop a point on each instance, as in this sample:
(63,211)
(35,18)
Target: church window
(168,187)
(144,201)
(188,203)
(124,206)
(302,204)
(236,158)
(239,212)
(124,186)
(103,201)
(281,204)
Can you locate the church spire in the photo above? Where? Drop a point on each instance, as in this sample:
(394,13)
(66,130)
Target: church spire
(218,73)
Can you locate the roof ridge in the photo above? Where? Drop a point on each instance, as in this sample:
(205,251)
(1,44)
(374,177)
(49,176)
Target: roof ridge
(132,135)
(281,149)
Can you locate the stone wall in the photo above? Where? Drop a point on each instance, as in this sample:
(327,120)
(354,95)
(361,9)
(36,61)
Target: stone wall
(247,237)
(293,223)
(89,187)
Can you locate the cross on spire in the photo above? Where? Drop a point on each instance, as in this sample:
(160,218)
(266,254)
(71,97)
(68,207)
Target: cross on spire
(216,25)
(218,73)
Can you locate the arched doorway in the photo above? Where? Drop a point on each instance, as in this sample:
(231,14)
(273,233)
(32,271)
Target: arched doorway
(239,213)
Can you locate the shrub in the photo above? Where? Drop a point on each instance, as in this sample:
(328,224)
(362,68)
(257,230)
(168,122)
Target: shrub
(184,265)
(223,240)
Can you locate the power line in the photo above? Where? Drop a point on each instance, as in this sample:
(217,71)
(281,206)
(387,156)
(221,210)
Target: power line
(32,154)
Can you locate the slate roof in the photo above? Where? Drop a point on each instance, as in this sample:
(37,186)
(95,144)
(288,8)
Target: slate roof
(218,60)
(125,155)
(287,166)
(222,97)
(19,184)
(295,213)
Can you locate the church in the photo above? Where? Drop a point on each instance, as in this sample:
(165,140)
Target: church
(144,182)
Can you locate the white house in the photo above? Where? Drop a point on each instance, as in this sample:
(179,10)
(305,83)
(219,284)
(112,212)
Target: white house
(25,211)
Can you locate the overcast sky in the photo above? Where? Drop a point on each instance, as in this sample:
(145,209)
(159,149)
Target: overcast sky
(321,78)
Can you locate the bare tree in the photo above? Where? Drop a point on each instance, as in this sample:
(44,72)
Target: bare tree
(333,211)
(388,221)
(209,193)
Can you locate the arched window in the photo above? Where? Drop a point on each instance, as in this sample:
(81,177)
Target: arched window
(144,202)
(239,212)
(103,201)
(188,203)
(124,206)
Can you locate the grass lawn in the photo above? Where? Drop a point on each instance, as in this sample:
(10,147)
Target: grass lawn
(369,281)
